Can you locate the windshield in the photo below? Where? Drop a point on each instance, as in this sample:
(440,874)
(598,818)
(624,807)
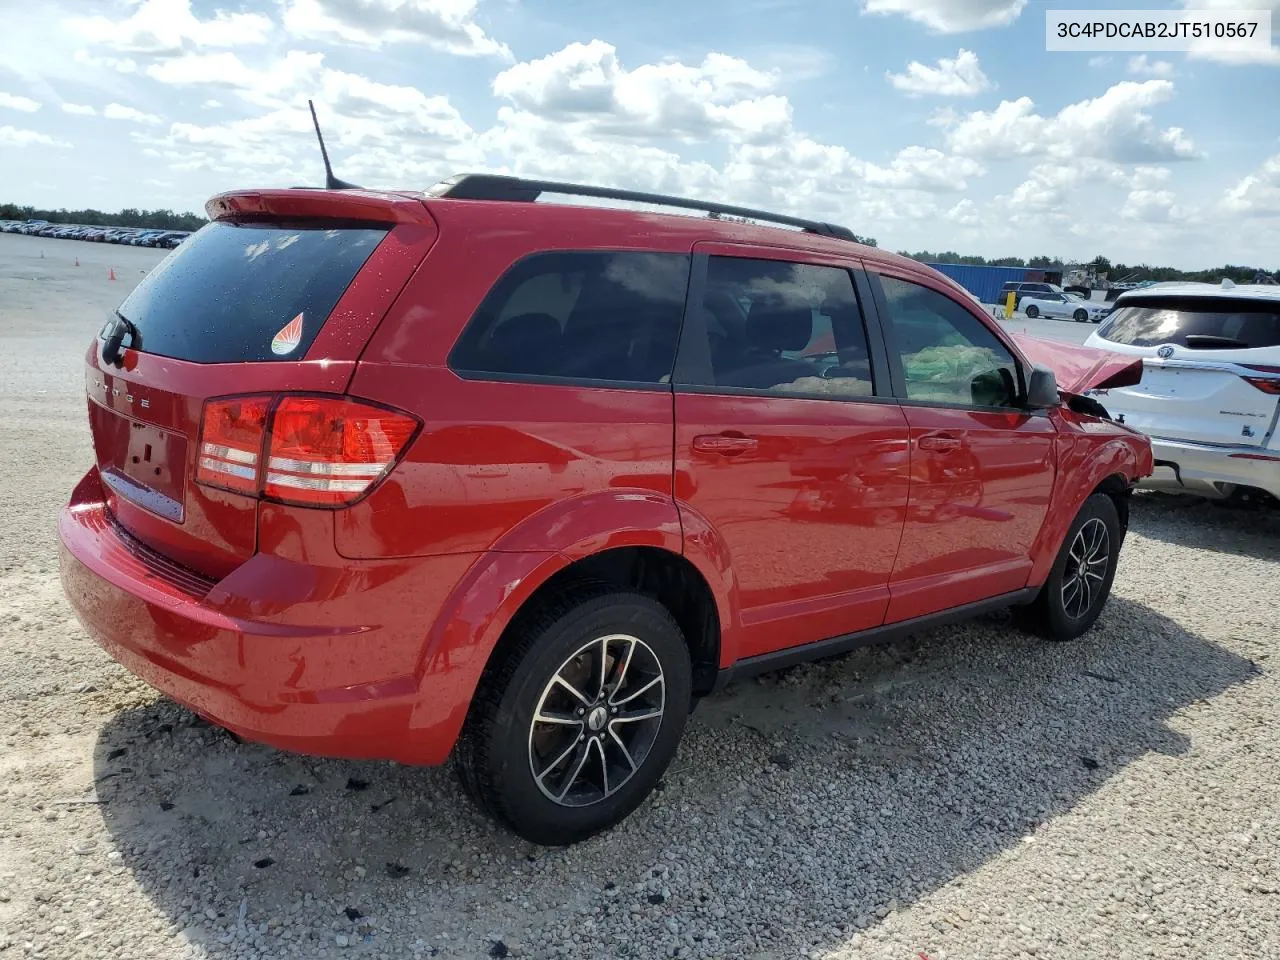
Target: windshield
(1217,323)
(242,292)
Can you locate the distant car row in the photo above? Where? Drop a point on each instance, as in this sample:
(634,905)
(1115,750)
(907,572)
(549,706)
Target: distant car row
(134,236)
(1050,300)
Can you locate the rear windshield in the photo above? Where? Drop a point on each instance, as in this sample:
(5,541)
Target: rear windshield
(237,292)
(1206,324)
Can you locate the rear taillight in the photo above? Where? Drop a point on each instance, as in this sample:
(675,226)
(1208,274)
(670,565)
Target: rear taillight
(231,443)
(307,450)
(1270,384)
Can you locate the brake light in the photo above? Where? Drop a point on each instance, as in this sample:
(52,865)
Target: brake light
(330,450)
(1269,384)
(231,443)
(320,451)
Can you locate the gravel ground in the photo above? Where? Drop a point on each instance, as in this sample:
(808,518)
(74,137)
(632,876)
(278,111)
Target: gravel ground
(970,793)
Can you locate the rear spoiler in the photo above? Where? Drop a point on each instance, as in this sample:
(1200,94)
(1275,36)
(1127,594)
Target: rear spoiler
(304,203)
(1080,369)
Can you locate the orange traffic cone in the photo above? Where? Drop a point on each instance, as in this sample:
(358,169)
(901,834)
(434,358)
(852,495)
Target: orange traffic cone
(111,273)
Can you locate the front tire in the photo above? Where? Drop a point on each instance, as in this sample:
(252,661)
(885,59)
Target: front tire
(579,717)
(1079,582)
(1032,311)
(1081,316)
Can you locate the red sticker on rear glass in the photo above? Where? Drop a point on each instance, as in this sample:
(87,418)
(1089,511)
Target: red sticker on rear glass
(290,335)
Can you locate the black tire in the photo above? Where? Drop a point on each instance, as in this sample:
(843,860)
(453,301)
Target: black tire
(1051,614)
(500,743)
(1081,316)
(1032,311)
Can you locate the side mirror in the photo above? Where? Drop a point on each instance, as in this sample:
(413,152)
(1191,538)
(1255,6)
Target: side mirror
(1042,389)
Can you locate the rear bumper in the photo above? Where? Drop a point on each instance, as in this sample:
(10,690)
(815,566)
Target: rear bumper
(1212,472)
(338,685)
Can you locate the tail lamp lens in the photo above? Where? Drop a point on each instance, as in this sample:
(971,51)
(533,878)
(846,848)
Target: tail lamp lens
(1269,384)
(320,451)
(231,443)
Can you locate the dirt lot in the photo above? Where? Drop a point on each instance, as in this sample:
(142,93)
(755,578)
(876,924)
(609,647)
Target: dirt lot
(971,793)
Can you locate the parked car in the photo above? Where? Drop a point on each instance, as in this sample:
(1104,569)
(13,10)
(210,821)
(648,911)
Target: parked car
(563,471)
(1210,396)
(1029,288)
(1063,306)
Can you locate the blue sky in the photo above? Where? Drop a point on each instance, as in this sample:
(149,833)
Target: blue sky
(939,124)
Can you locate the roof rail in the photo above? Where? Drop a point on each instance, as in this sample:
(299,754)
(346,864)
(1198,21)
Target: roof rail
(491,186)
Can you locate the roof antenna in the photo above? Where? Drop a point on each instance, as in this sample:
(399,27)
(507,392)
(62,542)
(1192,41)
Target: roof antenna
(330,181)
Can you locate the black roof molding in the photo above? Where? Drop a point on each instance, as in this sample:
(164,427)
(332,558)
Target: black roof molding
(490,186)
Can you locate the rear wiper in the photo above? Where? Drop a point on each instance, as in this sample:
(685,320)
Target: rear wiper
(1206,341)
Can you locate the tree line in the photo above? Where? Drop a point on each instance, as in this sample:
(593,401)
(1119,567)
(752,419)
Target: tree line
(129,217)
(1115,272)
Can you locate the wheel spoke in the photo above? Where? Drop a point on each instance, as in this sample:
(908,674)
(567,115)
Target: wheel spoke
(637,716)
(631,696)
(1069,594)
(604,766)
(575,768)
(620,675)
(566,685)
(613,734)
(573,745)
(604,667)
(555,716)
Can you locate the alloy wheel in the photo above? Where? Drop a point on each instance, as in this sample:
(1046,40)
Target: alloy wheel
(1086,568)
(596,720)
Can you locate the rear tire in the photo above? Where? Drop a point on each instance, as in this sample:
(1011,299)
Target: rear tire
(1032,311)
(1081,316)
(575,722)
(1079,582)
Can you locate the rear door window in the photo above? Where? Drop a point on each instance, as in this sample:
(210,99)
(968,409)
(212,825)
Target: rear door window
(1204,323)
(240,292)
(606,316)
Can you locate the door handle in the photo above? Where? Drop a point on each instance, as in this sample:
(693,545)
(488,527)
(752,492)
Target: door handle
(939,442)
(724,444)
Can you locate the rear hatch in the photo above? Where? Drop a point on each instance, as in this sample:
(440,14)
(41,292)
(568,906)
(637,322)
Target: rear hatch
(1212,367)
(280,293)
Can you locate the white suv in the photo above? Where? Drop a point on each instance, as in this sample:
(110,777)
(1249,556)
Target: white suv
(1210,391)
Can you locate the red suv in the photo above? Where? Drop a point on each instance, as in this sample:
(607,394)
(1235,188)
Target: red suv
(401,476)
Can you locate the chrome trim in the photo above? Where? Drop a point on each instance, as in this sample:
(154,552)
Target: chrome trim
(314,467)
(232,469)
(323,484)
(234,454)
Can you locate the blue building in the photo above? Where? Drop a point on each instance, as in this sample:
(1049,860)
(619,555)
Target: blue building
(985,283)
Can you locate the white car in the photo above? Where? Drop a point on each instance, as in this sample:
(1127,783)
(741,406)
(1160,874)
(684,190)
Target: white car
(1066,306)
(1210,391)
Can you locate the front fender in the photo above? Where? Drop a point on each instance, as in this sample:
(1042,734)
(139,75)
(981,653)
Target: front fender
(1090,451)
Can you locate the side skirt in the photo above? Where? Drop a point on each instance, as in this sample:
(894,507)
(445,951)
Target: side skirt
(888,633)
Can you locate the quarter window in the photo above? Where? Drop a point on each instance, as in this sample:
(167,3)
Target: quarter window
(786,328)
(948,355)
(580,316)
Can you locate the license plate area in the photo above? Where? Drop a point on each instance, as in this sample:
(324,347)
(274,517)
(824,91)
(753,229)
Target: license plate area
(142,462)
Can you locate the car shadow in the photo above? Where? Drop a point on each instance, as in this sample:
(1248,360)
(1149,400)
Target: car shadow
(918,762)
(1246,531)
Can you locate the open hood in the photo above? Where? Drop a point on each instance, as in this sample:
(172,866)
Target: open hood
(1080,369)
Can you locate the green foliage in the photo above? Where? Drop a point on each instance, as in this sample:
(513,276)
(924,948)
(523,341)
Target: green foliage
(130,217)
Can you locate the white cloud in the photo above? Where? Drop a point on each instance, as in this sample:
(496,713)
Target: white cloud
(447,25)
(961,77)
(965,214)
(922,168)
(1151,206)
(116,111)
(79,109)
(12,136)
(167,26)
(15,102)
(1225,51)
(1142,66)
(1099,61)
(1258,194)
(1110,127)
(586,83)
(951,16)
(211,104)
